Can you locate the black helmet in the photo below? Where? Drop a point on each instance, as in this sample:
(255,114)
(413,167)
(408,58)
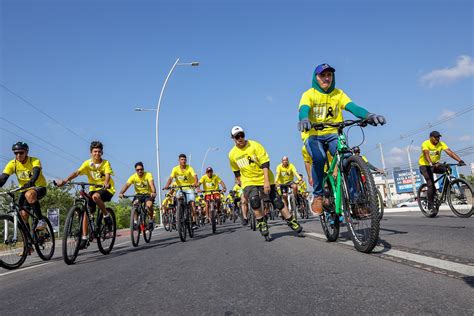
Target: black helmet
(20,146)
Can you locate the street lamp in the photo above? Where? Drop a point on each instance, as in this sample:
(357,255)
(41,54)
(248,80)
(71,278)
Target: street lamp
(205,156)
(177,63)
(413,181)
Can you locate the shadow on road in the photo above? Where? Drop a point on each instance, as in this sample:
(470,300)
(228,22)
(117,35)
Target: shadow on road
(469,280)
(393,231)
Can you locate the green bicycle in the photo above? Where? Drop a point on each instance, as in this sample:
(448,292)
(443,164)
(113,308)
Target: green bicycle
(350,194)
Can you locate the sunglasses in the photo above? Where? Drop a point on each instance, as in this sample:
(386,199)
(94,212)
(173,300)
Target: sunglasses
(19,153)
(239,136)
(140,169)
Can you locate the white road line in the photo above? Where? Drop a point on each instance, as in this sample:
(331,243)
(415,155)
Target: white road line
(23,269)
(433,262)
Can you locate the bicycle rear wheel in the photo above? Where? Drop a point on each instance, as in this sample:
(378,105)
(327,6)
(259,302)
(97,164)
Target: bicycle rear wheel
(166,222)
(422,196)
(147,231)
(72,234)
(106,235)
(181,221)
(460,198)
(360,205)
(189,221)
(294,210)
(135,226)
(44,240)
(13,244)
(329,219)
(212,212)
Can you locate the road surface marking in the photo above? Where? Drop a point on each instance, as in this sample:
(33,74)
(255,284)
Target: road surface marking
(433,262)
(23,269)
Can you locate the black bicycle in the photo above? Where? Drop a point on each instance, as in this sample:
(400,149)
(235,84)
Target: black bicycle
(17,239)
(169,219)
(457,192)
(183,212)
(212,206)
(303,205)
(79,217)
(139,219)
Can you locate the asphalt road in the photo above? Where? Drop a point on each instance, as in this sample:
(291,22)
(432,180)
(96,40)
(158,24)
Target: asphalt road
(237,272)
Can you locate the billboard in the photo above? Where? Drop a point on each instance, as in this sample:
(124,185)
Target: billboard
(403,180)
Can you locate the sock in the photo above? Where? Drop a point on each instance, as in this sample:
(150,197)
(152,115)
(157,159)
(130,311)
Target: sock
(37,209)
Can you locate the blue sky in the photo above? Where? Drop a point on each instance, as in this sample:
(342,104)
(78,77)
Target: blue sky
(88,64)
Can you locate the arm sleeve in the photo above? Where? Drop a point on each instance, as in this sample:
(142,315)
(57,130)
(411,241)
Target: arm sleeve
(82,169)
(36,173)
(3,179)
(444,146)
(358,111)
(304,112)
(237,173)
(9,169)
(108,168)
(130,180)
(265,165)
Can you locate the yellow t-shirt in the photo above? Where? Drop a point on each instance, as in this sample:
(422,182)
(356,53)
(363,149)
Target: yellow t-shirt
(286,174)
(302,187)
(167,201)
(238,190)
(183,177)
(24,172)
(324,108)
(435,152)
(142,185)
(210,184)
(96,174)
(248,161)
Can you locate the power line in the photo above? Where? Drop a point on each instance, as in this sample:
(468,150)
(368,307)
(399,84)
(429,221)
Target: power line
(56,121)
(47,142)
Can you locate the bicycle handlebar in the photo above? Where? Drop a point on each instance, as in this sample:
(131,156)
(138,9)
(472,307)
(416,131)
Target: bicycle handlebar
(321,126)
(12,191)
(178,187)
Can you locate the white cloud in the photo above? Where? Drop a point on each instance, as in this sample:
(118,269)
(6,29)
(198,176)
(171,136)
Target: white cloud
(446,114)
(465,138)
(464,68)
(269,98)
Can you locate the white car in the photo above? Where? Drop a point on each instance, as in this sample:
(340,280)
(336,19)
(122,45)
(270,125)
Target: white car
(408,203)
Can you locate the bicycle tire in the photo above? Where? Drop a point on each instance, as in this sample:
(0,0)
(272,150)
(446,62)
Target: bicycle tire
(135,230)
(212,211)
(72,234)
(462,190)
(306,207)
(106,237)
(147,232)
(380,203)
(361,207)
(189,221)
(18,254)
(42,239)
(180,221)
(329,219)
(166,222)
(423,202)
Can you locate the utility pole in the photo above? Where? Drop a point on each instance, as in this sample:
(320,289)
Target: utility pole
(411,169)
(389,195)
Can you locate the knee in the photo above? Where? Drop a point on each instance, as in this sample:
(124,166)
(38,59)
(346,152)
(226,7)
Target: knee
(278,203)
(255,202)
(96,197)
(30,196)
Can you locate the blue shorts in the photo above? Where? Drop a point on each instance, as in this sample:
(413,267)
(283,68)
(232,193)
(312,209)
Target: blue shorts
(190,196)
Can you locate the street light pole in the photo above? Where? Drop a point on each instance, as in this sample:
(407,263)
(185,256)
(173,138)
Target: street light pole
(389,194)
(205,156)
(176,63)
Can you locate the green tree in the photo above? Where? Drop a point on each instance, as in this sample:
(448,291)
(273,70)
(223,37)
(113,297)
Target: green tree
(122,212)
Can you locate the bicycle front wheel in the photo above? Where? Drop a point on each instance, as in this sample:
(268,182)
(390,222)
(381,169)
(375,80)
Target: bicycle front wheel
(13,244)
(180,221)
(106,233)
(360,204)
(380,203)
(72,234)
(135,226)
(147,231)
(460,198)
(189,221)
(44,240)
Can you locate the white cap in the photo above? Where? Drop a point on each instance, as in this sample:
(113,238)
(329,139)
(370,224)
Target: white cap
(235,130)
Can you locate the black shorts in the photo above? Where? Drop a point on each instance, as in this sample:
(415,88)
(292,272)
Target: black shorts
(143,198)
(40,193)
(257,190)
(105,196)
(286,187)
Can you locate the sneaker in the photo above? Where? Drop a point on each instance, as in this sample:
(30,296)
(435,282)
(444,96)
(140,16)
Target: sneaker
(317,205)
(83,244)
(263,228)
(245,222)
(194,227)
(294,225)
(108,222)
(41,225)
